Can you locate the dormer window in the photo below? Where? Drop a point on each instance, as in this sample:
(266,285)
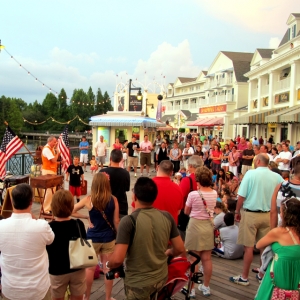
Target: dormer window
(292,32)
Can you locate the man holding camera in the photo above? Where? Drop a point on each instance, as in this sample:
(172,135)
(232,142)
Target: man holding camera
(144,237)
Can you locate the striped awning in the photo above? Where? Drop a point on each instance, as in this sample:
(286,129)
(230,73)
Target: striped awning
(274,118)
(291,117)
(119,120)
(255,117)
(208,122)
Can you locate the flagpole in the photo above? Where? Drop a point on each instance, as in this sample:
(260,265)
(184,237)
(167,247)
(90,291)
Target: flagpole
(6,124)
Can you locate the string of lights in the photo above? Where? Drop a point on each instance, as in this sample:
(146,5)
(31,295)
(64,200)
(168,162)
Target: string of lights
(35,123)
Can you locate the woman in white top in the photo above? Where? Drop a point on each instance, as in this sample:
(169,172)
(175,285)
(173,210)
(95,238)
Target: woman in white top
(186,153)
(200,231)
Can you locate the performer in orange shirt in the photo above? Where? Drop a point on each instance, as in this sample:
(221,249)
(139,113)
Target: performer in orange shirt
(50,155)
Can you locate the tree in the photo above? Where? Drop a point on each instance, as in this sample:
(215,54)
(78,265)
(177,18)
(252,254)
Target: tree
(107,103)
(14,117)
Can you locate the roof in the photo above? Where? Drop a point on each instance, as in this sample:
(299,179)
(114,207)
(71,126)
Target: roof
(238,56)
(169,118)
(125,120)
(241,63)
(285,38)
(186,79)
(186,112)
(204,72)
(295,15)
(265,53)
(171,84)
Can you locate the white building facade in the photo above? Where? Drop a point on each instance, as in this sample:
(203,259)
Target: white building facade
(208,103)
(274,89)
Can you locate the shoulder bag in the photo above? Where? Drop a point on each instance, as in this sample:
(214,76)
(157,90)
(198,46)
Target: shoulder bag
(281,294)
(108,223)
(217,239)
(81,252)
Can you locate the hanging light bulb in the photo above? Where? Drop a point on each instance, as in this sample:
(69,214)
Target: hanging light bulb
(28,73)
(36,79)
(20,66)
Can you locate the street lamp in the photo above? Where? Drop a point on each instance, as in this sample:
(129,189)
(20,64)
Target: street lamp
(139,95)
(148,104)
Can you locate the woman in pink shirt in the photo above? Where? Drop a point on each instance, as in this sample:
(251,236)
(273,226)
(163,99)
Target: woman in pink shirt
(200,231)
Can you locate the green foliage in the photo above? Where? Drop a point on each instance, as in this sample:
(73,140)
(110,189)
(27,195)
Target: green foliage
(84,104)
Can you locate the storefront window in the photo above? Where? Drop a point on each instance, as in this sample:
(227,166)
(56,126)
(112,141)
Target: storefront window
(121,134)
(136,133)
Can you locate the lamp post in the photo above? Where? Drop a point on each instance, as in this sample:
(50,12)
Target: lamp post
(139,96)
(148,104)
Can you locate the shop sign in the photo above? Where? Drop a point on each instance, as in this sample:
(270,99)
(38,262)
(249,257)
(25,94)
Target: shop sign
(134,104)
(212,109)
(105,132)
(218,127)
(281,98)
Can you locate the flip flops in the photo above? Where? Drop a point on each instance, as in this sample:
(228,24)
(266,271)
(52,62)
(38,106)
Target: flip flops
(255,270)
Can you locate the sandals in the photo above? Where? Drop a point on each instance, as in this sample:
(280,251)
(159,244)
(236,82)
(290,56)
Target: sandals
(255,270)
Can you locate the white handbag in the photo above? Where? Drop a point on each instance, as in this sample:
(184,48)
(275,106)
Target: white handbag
(81,253)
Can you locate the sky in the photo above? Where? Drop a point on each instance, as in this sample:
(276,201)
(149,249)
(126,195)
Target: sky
(77,44)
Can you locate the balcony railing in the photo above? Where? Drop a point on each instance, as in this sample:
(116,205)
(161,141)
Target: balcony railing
(194,105)
(221,99)
(265,90)
(254,93)
(176,106)
(185,106)
(283,84)
(225,81)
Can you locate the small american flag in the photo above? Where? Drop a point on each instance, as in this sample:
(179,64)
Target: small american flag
(64,148)
(10,145)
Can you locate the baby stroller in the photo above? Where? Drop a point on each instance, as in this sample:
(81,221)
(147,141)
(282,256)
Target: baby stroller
(180,273)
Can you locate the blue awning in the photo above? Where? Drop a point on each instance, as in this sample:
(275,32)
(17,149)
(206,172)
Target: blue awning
(119,120)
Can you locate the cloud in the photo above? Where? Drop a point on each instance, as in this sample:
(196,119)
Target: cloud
(168,62)
(64,56)
(274,42)
(267,16)
(62,70)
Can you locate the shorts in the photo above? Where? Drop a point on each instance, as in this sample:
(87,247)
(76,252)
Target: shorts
(215,166)
(145,159)
(199,235)
(46,297)
(125,156)
(75,281)
(93,168)
(225,164)
(132,161)
(101,159)
(144,293)
(104,248)
(75,190)
(84,158)
(253,227)
(245,169)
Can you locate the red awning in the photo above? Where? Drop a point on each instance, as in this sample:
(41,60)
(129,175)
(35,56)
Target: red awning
(207,122)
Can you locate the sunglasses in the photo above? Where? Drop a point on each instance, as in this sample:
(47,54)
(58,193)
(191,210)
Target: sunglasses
(285,202)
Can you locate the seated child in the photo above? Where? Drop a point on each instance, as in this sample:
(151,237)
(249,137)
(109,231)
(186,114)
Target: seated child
(177,178)
(183,172)
(228,235)
(94,165)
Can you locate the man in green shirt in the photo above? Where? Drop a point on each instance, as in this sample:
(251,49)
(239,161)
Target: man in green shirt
(145,241)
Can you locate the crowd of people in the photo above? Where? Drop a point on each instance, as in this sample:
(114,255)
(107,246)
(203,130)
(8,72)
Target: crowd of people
(202,186)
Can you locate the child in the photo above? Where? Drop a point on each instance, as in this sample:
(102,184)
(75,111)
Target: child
(177,178)
(75,173)
(214,176)
(94,165)
(183,172)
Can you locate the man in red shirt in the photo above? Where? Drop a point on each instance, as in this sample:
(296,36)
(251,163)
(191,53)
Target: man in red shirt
(169,197)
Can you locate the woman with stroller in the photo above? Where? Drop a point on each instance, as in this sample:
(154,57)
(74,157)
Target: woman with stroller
(200,232)
(285,244)
(104,217)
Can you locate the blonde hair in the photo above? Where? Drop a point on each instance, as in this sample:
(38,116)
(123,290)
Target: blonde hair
(100,191)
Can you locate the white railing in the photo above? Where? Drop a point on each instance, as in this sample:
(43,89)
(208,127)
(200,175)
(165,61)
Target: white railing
(177,106)
(225,80)
(194,105)
(282,84)
(169,107)
(221,98)
(254,92)
(185,106)
(204,101)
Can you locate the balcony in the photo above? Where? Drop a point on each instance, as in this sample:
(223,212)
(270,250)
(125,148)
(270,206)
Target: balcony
(254,92)
(227,81)
(176,106)
(185,106)
(204,101)
(282,85)
(194,105)
(221,99)
(169,107)
(209,85)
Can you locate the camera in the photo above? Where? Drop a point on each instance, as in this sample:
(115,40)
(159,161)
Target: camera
(115,273)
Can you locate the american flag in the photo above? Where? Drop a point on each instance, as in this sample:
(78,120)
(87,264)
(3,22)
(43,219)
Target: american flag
(10,145)
(64,148)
